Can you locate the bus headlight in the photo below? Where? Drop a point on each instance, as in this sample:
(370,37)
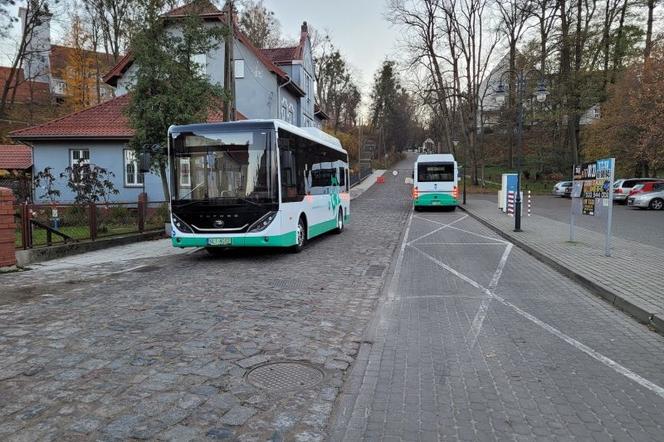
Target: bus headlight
(181,225)
(263,222)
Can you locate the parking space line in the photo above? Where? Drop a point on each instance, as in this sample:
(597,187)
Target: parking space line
(436,230)
(480,316)
(615,366)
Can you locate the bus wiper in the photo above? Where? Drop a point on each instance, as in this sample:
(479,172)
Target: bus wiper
(192,190)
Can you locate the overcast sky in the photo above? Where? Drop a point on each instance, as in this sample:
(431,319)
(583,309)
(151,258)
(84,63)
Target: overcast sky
(357,27)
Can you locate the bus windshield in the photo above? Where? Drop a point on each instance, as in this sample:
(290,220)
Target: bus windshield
(435,172)
(224,167)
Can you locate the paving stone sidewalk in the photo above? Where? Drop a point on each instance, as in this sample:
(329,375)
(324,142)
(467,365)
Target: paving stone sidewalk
(159,347)
(627,279)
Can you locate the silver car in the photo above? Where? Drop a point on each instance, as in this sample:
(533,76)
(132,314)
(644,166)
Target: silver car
(649,200)
(559,188)
(621,188)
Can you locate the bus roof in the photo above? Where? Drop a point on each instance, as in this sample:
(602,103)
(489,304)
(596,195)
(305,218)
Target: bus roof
(310,133)
(435,158)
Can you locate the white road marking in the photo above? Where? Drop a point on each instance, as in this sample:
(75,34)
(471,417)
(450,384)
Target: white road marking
(435,230)
(615,366)
(502,241)
(391,291)
(480,316)
(461,244)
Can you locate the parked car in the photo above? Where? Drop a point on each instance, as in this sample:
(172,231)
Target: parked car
(621,188)
(559,188)
(643,188)
(649,200)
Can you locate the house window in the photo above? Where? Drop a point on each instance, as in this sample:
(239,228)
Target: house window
(596,113)
(291,114)
(79,157)
(200,63)
(133,178)
(284,109)
(239,68)
(307,87)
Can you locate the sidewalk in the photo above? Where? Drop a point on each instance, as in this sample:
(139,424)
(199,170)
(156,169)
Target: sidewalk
(365,184)
(629,279)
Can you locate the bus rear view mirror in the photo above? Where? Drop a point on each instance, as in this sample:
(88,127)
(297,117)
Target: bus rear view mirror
(144,162)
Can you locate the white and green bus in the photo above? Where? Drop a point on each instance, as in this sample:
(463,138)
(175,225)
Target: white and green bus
(255,183)
(435,179)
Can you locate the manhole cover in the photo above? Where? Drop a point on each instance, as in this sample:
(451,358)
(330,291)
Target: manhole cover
(281,376)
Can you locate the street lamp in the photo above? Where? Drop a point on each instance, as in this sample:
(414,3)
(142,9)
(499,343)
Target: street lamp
(540,94)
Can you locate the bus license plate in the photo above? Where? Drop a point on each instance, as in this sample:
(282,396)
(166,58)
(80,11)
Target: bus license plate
(219,241)
(435,203)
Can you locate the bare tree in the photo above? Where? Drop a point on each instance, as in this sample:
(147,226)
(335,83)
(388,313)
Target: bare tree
(260,24)
(514,17)
(35,12)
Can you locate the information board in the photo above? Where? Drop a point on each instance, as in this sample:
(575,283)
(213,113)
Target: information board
(592,193)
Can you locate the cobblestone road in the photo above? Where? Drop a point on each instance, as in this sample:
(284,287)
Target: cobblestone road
(159,348)
(476,340)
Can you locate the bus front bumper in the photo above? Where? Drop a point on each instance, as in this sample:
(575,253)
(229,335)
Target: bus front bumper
(242,240)
(433,199)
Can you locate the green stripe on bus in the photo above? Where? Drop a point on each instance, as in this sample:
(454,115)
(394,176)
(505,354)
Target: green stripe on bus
(436,199)
(320,228)
(285,240)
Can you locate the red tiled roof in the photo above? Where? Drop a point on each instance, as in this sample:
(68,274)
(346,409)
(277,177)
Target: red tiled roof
(27,91)
(15,157)
(280,55)
(121,67)
(103,121)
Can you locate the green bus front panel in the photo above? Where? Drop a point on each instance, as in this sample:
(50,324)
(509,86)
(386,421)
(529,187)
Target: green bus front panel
(433,199)
(285,240)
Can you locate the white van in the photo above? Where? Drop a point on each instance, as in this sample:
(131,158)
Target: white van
(435,179)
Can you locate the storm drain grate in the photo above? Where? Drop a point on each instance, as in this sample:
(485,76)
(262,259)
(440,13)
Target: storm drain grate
(284,376)
(375,270)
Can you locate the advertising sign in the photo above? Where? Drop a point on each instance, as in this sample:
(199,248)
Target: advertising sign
(592,193)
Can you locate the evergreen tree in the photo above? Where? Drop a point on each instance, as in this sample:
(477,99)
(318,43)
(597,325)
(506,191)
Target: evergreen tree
(169,87)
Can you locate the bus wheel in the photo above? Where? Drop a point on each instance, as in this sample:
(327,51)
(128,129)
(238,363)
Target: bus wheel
(300,236)
(340,222)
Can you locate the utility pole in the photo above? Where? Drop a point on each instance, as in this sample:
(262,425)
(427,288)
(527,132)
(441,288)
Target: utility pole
(229,64)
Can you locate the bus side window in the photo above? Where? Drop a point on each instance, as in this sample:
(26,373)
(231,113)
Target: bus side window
(288,176)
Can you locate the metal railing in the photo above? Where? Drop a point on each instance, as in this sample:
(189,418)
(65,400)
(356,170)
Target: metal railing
(360,172)
(43,225)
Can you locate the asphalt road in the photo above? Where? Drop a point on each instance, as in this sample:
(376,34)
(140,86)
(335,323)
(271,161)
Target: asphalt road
(644,226)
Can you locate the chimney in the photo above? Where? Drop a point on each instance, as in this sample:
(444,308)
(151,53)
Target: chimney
(36,65)
(305,28)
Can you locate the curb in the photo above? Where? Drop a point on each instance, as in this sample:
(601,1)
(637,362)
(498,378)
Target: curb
(39,254)
(640,314)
